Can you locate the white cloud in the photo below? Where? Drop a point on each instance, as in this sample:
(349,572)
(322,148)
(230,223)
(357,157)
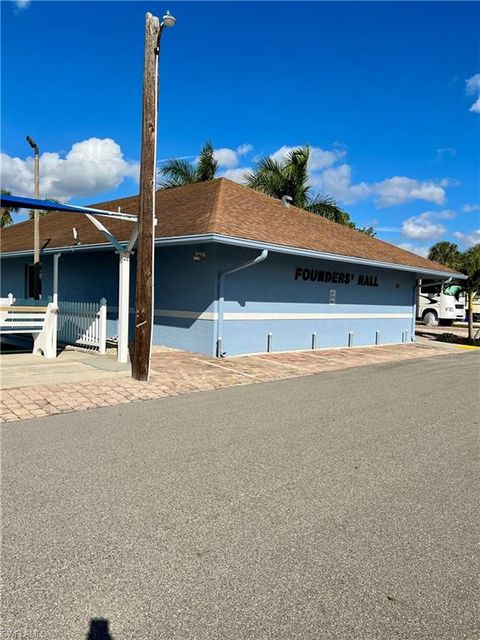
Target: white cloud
(236,174)
(446,151)
(475,108)
(319,158)
(326,175)
(446,214)
(282,153)
(393,191)
(400,189)
(472,86)
(468,239)
(423,227)
(22,4)
(419,250)
(468,208)
(230,158)
(336,182)
(90,167)
(243,149)
(226,157)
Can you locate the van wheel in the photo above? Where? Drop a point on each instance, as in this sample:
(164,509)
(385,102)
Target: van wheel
(430,319)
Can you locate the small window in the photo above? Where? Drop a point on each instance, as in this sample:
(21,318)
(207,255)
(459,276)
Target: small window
(333,296)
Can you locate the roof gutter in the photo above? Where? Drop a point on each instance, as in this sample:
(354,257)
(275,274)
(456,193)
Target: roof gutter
(221,295)
(254,244)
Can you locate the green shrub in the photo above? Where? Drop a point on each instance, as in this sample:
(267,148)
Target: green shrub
(452,337)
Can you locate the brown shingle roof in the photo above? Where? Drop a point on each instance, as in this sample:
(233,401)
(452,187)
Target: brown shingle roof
(220,207)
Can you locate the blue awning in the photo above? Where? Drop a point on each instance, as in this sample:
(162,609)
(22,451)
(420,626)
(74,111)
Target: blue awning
(48,205)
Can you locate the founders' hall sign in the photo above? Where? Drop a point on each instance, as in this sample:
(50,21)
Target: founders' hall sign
(335,277)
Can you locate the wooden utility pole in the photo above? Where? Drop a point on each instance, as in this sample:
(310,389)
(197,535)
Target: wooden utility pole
(146,213)
(36,221)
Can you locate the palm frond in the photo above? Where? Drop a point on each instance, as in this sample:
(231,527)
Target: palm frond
(5,217)
(207,166)
(177,173)
(327,207)
(266,177)
(6,212)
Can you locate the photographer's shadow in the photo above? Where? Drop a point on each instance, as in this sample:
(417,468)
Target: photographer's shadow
(99,630)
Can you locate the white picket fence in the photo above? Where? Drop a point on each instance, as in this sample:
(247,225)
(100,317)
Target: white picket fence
(83,324)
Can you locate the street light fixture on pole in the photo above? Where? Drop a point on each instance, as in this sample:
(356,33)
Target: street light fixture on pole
(36,220)
(146,213)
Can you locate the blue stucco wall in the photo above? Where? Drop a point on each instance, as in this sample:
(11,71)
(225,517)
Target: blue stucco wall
(186,304)
(271,288)
(185,289)
(182,286)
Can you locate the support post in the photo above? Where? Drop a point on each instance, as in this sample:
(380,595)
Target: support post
(102,327)
(146,214)
(56,257)
(269,342)
(123,305)
(36,221)
(37,274)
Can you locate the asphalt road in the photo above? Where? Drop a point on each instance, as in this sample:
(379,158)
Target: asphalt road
(337,506)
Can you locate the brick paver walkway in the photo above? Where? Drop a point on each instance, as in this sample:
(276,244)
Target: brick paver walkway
(178,372)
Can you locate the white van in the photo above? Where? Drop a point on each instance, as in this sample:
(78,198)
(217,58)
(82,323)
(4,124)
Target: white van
(440,303)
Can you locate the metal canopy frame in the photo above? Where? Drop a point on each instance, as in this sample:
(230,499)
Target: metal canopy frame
(123,253)
(49,205)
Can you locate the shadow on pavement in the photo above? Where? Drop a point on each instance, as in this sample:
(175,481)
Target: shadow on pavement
(99,630)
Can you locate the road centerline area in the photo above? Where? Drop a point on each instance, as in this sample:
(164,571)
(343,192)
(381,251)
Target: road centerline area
(340,505)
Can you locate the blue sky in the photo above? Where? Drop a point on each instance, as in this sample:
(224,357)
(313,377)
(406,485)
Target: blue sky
(385,93)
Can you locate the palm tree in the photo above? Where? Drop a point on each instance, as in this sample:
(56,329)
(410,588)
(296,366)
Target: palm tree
(41,212)
(180,172)
(446,253)
(470,266)
(6,212)
(289,177)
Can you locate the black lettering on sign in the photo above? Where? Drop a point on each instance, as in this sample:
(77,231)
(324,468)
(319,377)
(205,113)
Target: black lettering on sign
(367,281)
(335,277)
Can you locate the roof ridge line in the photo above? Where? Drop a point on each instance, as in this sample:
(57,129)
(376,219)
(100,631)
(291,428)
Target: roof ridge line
(217,199)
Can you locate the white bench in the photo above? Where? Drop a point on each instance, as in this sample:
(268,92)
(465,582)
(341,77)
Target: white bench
(39,322)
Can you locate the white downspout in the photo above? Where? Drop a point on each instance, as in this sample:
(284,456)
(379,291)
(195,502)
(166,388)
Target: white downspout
(221,286)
